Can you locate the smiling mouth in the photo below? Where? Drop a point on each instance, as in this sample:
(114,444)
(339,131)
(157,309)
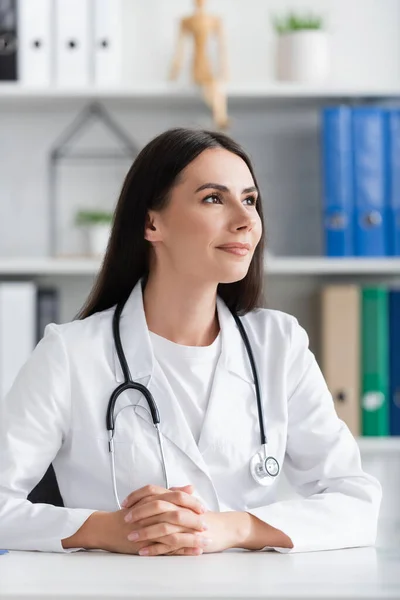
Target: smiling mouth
(235,250)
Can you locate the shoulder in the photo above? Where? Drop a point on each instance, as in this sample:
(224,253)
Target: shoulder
(81,333)
(277,330)
(268,321)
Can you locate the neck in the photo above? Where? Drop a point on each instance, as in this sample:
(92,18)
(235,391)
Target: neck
(181,311)
(200,7)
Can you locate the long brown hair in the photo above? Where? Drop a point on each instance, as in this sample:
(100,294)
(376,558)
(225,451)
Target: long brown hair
(146,187)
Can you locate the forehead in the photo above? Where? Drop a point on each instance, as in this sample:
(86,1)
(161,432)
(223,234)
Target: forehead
(217,165)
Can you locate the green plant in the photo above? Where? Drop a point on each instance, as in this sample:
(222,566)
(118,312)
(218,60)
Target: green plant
(296,22)
(93,217)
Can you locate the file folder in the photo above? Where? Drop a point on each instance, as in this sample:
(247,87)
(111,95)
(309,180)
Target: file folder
(393,120)
(370,181)
(17,329)
(74,65)
(340,346)
(36,43)
(394,362)
(375,361)
(338,204)
(108,35)
(8,41)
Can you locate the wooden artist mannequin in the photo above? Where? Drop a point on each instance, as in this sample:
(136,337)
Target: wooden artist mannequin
(201,27)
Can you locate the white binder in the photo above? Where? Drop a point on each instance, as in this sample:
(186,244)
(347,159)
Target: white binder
(108,42)
(73,43)
(35,37)
(17,329)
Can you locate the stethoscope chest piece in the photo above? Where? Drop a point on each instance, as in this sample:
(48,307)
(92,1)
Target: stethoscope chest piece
(264,468)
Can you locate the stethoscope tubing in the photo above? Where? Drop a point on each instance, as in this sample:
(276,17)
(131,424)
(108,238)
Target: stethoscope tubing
(129,384)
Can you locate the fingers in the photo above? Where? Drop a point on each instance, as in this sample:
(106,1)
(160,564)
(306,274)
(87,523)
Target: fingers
(159,530)
(184,519)
(151,490)
(164,503)
(147,490)
(187,488)
(188,551)
(175,542)
(181,498)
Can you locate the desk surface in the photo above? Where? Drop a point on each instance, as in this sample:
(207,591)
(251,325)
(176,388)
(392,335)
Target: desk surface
(356,573)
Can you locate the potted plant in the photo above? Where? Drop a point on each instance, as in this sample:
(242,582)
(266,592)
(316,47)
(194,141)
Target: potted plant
(97,224)
(302,48)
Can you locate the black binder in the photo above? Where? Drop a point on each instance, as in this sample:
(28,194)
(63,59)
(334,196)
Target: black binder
(8,40)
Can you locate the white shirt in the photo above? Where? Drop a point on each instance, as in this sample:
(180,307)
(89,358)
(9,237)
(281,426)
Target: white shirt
(190,373)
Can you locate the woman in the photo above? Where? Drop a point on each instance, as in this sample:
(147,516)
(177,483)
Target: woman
(185,256)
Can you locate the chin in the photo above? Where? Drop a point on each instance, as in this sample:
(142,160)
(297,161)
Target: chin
(232,277)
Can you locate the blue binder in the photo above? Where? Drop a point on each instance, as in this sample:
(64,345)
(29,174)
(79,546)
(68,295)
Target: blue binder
(370,139)
(393,121)
(394,362)
(337,180)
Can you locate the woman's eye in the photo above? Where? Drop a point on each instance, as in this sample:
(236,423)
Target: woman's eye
(252,199)
(212,196)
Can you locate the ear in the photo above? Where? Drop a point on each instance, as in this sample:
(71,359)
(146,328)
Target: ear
(150,230)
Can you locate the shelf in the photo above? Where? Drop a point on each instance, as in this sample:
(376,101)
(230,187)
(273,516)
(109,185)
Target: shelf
(286,266)
(379,444)
(332,266)
(171,91)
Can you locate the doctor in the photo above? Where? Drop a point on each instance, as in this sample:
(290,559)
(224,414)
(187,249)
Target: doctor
(185,255)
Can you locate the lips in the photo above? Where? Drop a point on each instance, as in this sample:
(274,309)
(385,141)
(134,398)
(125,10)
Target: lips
(238,250)
(237,245)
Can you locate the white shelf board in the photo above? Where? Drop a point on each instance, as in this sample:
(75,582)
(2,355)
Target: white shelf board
(49,266)
(379,443)
(273,266)
(169,90)
(331,266)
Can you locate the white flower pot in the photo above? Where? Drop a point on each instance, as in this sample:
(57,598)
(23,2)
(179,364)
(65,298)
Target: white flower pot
(303,56)
(97,238)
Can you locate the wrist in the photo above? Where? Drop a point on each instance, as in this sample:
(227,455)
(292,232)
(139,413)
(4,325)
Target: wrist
(91,534)
(239,526)
(257,534)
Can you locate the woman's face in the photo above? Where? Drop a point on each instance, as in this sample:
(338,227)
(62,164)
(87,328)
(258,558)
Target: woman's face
(212,204)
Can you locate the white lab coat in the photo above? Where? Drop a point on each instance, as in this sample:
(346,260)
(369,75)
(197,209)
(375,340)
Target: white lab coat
(55,412)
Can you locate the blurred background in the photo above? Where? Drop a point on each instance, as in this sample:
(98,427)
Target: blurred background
(312,91)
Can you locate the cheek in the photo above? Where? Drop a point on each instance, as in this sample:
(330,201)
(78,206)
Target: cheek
(257,230)
(192,228)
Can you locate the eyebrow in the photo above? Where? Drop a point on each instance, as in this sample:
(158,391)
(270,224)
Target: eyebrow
(223,188)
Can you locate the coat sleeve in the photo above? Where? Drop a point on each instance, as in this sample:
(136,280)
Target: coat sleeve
(340,504)
(34,421)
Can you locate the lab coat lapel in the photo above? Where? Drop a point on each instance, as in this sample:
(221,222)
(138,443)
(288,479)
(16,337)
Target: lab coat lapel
(233,383)
(144,369)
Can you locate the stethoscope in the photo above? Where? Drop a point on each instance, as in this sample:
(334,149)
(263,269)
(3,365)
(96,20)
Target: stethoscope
(263,468)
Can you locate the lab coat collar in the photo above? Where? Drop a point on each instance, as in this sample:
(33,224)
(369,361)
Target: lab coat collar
(138,350)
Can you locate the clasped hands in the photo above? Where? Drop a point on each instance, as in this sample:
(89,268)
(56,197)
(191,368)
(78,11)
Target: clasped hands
(173,521)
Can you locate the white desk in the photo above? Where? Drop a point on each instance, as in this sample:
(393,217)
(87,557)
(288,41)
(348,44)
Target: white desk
(355,573)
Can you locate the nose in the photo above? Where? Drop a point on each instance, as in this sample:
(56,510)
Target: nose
(244,218)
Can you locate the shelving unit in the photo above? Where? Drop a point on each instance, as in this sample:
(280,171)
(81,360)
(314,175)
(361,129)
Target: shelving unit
(276,122)
(273,266)
(166,92)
